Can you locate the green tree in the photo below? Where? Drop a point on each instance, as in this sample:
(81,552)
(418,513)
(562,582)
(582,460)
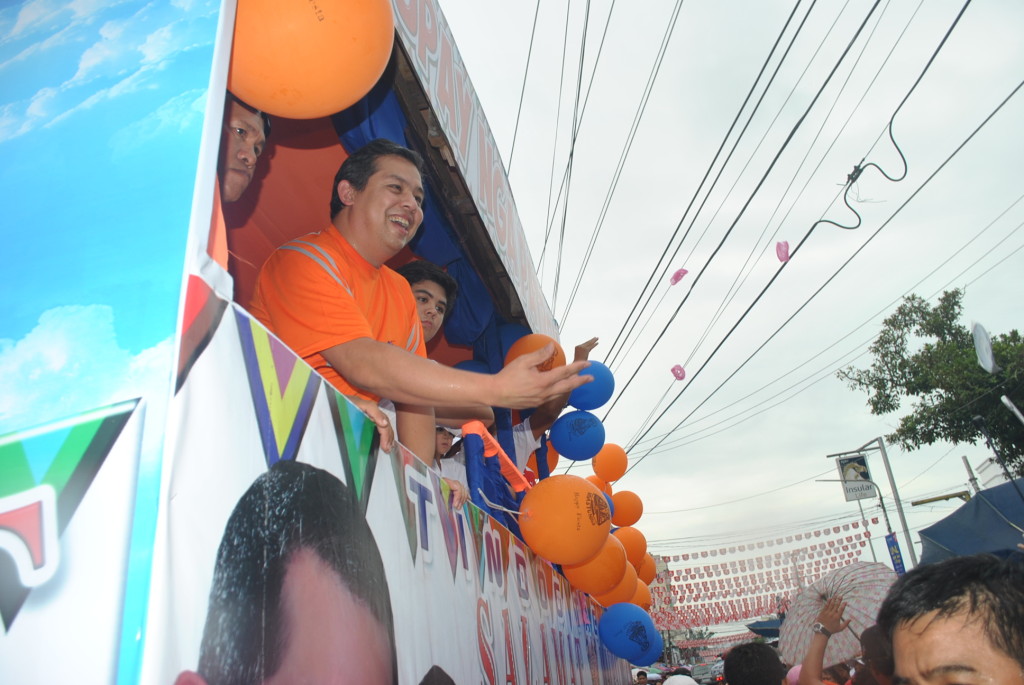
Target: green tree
(926,356)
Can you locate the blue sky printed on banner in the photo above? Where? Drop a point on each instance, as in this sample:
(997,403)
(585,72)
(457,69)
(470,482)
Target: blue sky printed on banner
(100,121)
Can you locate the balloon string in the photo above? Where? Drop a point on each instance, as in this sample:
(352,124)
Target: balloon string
(492,505)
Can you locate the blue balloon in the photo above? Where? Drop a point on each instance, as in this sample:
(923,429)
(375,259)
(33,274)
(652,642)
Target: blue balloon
(653,653)
(611,505)
(577,435)
(596,392)
(627,631)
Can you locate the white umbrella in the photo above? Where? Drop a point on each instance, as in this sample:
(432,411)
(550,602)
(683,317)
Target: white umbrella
(862,585)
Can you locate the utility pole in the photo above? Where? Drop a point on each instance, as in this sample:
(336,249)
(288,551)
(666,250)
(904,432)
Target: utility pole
(896,497)
(970,475)
(871,546)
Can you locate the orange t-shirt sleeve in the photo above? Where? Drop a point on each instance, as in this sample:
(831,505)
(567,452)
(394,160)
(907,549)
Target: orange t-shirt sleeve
(305,306)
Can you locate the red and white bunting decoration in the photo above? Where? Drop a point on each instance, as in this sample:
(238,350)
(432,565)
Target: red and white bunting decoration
(713,591)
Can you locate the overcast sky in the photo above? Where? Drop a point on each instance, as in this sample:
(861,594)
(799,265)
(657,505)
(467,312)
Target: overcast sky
(743,466)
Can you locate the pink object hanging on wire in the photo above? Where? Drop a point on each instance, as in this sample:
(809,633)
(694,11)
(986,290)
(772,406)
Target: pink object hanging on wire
(782,250)
(678,276)
(679,372)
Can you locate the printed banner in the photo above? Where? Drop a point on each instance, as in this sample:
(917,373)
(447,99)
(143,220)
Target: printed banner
(332,560)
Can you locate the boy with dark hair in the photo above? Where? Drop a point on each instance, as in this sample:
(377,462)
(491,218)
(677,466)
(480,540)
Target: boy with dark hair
(434,291)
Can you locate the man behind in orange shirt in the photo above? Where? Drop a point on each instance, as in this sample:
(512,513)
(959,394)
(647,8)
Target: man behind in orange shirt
(330,297)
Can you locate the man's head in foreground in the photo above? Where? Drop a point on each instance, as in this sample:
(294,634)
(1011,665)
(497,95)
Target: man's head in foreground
(753,663)
(434,291)
(958,621)
(243,137)
(299,592)
(377,199)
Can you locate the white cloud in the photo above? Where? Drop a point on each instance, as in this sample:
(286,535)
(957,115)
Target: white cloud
(71,361)
(33,15)
(159,45)
(136,81)
(58,38)
(38,105)
(171,118)
(108,49)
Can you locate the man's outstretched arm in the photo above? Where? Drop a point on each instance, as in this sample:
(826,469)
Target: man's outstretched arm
(401,376)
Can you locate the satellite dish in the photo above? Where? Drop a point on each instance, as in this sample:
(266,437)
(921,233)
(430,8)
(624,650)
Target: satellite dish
(983,348)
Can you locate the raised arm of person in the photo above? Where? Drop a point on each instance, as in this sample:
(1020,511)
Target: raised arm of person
(389,371)
(829,622)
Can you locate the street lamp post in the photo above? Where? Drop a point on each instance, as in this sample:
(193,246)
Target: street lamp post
(879,444)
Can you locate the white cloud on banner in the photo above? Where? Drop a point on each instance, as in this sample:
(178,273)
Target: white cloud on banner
(71,361)
(126,51)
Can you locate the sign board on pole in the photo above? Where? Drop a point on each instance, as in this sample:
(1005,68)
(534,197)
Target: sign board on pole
(895,554)
(856,478)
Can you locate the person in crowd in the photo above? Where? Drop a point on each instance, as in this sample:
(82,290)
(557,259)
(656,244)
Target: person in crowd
(828,622)
(299,590)
(444,458)
(244,133)
(754,663)
(641,677)
(243,137)
(679,680)
(877,658)
(434,291)
(960,620)
(331,298)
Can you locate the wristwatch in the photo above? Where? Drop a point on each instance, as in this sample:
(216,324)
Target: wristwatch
(821,630)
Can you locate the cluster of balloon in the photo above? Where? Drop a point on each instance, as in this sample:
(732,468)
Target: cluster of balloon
(286,57)
(565,519)
(629,633)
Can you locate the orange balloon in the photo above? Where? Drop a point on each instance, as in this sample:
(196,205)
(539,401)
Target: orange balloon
(533,342)
(565,519)
(634,542)
(628,508)
(648,569)
(610,463)
(531,463)
(307,60)
(641,596)
(603,572)
(622,592)
(601,485)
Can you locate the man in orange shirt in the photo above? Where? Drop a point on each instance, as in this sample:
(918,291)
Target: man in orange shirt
(330,297)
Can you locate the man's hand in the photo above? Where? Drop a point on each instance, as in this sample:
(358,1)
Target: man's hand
(460,495)
(377,415)
(831,616)
(521,385)
(583,350)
